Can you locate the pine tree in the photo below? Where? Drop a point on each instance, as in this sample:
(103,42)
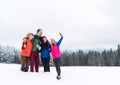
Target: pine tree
(118,56)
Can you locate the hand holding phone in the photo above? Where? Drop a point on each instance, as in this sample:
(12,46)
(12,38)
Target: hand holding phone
(61,35)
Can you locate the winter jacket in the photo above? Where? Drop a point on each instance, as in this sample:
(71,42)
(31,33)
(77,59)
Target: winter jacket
(27,50)
(45,50)
(55,49)
(45,53)
(24,44)
(36,41)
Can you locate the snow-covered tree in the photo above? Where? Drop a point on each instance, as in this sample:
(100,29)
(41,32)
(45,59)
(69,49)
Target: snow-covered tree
(9,55)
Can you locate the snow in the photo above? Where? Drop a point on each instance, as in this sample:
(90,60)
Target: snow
(10,74)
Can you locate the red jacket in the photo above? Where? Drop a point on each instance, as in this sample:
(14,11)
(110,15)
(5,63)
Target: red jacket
(27,50)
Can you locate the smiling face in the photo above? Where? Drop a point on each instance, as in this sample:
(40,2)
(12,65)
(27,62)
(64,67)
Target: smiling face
(44,39)
(53,42)
(39,32)
(31,36)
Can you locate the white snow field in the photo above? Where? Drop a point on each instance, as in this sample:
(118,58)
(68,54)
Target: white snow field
(10,74)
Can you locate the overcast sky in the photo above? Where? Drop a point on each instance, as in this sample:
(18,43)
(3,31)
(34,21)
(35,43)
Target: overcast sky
(86,24)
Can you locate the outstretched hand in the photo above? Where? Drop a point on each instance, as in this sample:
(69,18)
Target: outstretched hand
(61,35)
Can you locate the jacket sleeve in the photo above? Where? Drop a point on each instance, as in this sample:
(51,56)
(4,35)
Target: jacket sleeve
(49,48)
(59,42)
(41,47)
(23,45)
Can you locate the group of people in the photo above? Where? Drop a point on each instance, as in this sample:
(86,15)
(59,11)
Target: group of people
(37,46)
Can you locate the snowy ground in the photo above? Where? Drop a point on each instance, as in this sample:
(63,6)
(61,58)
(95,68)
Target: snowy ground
(11,75)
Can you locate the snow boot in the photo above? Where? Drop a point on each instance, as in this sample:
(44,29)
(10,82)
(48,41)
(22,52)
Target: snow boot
(26,69)
(22,69)
(58,77)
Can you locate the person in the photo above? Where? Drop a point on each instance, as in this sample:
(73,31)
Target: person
(26,51)
(55,50)
(45,54)
(34,58)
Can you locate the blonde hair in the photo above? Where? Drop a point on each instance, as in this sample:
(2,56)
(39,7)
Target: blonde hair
(29,34)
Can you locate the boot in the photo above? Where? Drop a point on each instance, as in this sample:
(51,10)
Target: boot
(22,69)
(58,77)
(26,69)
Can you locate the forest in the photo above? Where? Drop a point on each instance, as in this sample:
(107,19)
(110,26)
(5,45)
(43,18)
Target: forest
(75,58)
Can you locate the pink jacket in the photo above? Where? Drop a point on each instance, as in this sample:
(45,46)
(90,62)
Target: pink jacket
(55,50)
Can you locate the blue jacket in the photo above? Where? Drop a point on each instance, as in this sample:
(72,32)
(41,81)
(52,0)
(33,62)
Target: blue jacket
(45,53)
(45,50)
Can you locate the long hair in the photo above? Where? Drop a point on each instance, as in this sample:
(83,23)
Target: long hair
(45,45)
(29,34)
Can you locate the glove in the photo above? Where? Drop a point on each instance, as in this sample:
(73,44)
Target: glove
(39,47)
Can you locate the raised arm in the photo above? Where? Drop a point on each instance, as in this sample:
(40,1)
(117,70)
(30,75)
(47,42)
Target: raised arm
(59,42)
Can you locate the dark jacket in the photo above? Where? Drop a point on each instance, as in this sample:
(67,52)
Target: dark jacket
(45,50)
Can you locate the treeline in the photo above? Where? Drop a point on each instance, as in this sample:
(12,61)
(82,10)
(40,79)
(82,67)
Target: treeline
(92,58)
(78,58)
